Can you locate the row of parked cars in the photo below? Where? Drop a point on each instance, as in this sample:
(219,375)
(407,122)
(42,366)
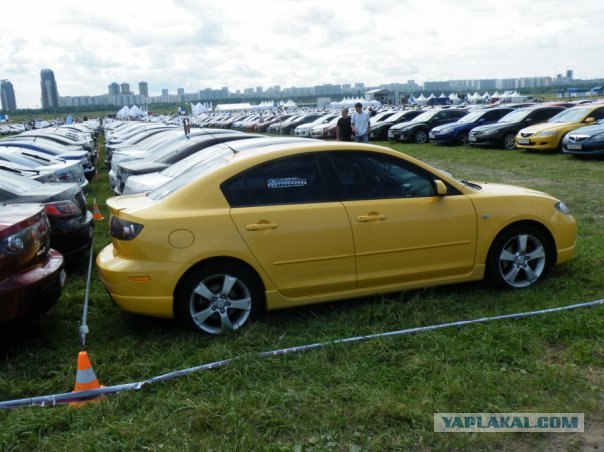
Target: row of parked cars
(539,127)
(45,224)
(213,225)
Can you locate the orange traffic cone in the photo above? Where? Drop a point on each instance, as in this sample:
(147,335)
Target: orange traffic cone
(85,379)
(96,212)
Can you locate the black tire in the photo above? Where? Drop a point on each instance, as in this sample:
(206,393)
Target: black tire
(462,139)
(519,257)
(509,141)
(218,297)
(421,137)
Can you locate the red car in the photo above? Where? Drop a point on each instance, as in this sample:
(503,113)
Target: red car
(31,273)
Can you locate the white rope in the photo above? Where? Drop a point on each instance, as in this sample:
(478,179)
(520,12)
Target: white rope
(55,399)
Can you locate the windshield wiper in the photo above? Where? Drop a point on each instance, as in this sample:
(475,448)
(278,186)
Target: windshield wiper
(36,157)
(471,185)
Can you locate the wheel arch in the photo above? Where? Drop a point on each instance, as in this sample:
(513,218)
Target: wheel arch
(218,260)
(551,242)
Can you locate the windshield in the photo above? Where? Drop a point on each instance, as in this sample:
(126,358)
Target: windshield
(516,115)
(425,116)
(571,115)
(381,116)
(178,182)
(471,117)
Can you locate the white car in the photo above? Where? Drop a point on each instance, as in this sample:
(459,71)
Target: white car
(304,129)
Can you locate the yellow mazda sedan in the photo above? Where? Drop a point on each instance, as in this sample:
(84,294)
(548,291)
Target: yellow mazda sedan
(547,136)
(300,223)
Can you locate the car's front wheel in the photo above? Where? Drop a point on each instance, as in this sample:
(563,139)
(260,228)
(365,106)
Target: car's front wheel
(509,141)
(218,297)
(462,139)
(518,258)
(421,137)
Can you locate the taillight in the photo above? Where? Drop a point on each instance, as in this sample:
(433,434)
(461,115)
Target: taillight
(123,229)
(62,209)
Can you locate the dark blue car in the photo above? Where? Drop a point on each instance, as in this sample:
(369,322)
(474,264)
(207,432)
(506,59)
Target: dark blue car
(458,132)
(585,141)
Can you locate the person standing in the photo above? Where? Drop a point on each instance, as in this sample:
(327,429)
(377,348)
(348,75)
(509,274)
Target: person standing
(360,124)
(344,127)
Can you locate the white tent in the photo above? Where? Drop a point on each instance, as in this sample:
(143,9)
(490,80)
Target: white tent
(421,100)
(517,97)
(234,107)
(136,112)
(454,99)
(198,109)
(123,112)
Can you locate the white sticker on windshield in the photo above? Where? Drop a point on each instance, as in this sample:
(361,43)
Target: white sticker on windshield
(286,182)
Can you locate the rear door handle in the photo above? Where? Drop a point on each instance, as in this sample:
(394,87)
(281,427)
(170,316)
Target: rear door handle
(365,218)
(260,226)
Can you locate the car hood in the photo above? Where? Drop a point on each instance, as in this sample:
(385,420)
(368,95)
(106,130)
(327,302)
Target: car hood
(401,125)
(550,126)
(505,189)
(590,130)
(449,126)
(496,126)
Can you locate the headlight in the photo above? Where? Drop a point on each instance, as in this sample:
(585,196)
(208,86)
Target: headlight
(490,132)
(449,130)
(124,230)
(597,137)
(562,208)
(546,133)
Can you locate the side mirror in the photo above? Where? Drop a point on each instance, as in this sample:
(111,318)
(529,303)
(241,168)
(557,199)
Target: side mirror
(441,188)
(590,120)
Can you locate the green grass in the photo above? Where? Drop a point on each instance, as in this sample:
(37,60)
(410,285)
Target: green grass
(374,395)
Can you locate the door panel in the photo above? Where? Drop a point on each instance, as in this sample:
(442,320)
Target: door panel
(305,249)
(412,238)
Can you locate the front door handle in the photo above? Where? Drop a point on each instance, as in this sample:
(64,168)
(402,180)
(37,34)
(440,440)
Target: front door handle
(260,226)
(375,217)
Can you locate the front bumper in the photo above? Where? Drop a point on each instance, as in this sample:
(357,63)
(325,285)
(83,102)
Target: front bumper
(583,148)
(538,143)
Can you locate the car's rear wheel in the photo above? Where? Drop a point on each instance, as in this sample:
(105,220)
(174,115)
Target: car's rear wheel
(218,297)
(462,139)
(421,136)
(509,141)
(518,258)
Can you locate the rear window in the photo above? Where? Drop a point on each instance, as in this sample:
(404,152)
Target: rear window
(178,182)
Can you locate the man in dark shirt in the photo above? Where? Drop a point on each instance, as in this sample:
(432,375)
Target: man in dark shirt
(344,128)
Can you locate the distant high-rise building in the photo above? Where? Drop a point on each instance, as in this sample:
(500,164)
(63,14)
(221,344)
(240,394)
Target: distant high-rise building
(125,88)
(7,95)
(569,75)
(143,89)
(180,91)
(164,92)
(50,93)
(114,89)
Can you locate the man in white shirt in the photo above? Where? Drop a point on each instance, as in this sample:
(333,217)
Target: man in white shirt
(360,124)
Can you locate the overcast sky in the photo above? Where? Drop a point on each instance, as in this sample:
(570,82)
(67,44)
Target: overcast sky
(196,44)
